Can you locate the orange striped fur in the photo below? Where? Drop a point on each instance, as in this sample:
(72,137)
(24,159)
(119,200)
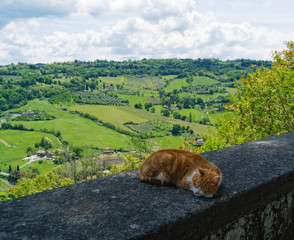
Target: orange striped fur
(182,168)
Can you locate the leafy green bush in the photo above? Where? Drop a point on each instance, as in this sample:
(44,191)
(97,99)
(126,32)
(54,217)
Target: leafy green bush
(40,183)
(38,117)
(4,196)
(131,162)
(138,105)
(263,106)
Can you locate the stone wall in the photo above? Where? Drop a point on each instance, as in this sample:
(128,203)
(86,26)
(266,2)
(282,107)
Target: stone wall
(255,201)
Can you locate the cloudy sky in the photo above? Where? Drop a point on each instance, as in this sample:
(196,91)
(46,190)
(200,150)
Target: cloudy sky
(47,31)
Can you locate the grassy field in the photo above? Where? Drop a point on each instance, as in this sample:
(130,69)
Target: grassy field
(112,114)
(204,81)
(147,97)
(168,77)
(135,82)
(118,115)
(113,80)
(18,142)
(85,133)
(196,114)
(176,84)
(93,136)
(150,82)
(231,90)
(76,130)
(205,97)
(82,132)
(168,142)
(43,166)
(214,116)
(133,99)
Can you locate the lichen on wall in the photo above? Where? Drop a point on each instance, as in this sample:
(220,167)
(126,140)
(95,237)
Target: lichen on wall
(268,223)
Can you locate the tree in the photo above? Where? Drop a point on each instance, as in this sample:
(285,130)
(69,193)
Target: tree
(93,85)
(131,162)
(46,143)
(189,79)
(58,134)
(29,150)
(138,105)
(205,121)
(74,168)
(202,105)
(147,106)
(263,106)
(199,101)
(78,151)
(176,115)
(183,118)
(142,145)
(176,129)
(70,164)
(165,112)
(189,102)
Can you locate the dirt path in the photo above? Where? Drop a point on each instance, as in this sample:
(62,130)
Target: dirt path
(31,159)
(5,143)
(3,173)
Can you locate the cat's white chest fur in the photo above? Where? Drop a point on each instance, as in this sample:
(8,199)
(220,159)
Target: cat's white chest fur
(197,191)
(189,179)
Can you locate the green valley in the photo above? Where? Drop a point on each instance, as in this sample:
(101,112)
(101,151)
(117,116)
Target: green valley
(85,110)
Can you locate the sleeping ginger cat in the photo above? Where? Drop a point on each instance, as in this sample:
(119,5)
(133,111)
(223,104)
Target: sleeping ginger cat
(182,168)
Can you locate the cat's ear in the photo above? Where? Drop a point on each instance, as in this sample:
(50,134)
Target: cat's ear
(216,180)
(201,171)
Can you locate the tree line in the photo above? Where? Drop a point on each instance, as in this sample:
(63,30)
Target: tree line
(262,107)
(22,82)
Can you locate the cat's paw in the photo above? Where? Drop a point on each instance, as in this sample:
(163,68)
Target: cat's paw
(208,196)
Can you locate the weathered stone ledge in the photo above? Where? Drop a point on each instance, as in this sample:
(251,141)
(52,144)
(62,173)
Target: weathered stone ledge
(255,201)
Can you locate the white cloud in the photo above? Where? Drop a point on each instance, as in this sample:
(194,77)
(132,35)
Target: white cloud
(149,9)
(123,29)
(19,9)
